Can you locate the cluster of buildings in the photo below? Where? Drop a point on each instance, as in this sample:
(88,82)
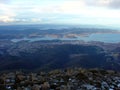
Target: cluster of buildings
(68,79)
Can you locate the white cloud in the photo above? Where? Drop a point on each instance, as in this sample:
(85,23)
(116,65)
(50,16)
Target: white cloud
(6,9)
(73,7)
(6,14)
(80,8)
(45,10)
(58,10)
(6,19)
(36,20)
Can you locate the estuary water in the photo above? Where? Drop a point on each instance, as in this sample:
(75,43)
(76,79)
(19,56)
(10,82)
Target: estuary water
(102,37)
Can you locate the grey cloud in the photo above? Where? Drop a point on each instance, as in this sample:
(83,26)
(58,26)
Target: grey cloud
(114,4)
(5,1)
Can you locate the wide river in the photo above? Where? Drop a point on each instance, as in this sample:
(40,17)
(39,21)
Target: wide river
(103,37)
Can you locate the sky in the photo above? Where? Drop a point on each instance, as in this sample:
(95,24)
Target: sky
(95,12)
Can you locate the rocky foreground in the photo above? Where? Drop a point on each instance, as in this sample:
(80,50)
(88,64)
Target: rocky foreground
(67,79)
